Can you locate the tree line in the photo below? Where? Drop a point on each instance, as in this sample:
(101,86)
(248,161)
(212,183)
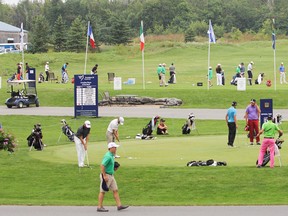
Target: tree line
(64,24)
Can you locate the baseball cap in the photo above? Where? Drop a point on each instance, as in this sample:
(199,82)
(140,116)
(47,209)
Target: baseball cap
(112,144)
(253,100)
(47,62)
(234,103)
(87,124)
(121,120)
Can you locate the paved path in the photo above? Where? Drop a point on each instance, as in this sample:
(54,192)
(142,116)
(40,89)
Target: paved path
(145,211)
(131,111)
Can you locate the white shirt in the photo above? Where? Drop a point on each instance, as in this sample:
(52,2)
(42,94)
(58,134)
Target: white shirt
(46,67)
(250,67)
(113,125)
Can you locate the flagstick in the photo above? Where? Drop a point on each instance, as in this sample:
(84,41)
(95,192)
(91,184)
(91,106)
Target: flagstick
(275,69)
(143,69)
(86,50)
(22,47)
(208,65)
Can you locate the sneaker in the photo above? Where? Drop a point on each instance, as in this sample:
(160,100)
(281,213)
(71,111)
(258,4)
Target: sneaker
(119,208)
(258,166)
(251,143)
(116,156)
(102,209)
(258,143)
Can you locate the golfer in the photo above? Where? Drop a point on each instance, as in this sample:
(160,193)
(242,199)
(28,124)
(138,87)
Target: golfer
(112,131)
(81,139)
(107,180)
(231,121)
(269,128)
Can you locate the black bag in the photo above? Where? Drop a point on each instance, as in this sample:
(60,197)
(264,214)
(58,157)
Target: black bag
(186,129)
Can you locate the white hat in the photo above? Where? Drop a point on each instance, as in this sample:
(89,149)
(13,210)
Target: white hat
(112,144)
(252,62)
(47,62)
(121,120)
(87,124)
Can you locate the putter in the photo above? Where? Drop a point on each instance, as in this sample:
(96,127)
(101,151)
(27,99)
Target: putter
(86,152)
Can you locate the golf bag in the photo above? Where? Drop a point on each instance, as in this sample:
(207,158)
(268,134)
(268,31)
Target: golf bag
(189,124)
(35,138)
(209,162)
(147,130)
(67,130)
(41,78)
(266,159)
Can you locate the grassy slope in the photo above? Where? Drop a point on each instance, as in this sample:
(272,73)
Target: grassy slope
(190,61)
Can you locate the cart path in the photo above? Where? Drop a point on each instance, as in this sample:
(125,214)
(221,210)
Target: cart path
(132,111)
(144,211)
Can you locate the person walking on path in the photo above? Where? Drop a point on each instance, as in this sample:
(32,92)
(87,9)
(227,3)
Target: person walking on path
(81,139)
(269,129)
(107,179)
(112,131)
(282,73)
(231,121)
(252,116)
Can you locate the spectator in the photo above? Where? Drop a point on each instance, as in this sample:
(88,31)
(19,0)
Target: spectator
(210,76)
(242,69)
(231,121)
(282,73)
(81,139)
(47,71)
(249,72)
(162,75)
(162,128)
(172,71)
(94,70)
(107,179)
(252,116)
(269,128)
(65,73)
(219,75)
(27,69)
(18,71)
(159,69)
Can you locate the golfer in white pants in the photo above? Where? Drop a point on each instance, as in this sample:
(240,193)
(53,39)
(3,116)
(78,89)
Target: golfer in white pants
(81,141)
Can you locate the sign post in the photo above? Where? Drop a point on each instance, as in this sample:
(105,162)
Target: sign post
(266,107)
(85,95)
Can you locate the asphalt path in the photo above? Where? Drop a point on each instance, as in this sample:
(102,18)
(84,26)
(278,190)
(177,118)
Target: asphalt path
(132,111)
(145,211)
(141,112)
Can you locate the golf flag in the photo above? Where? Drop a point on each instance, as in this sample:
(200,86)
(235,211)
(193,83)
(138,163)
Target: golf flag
(273,40)
(211,34)
(142,41)
(90,35)
(21,38)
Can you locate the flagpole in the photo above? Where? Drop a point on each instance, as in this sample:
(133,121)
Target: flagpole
(143,74)
(274,50)
(208,87)
(86,49)
(275,69)
(22,48)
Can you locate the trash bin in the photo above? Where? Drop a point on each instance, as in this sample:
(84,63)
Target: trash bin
(111,76)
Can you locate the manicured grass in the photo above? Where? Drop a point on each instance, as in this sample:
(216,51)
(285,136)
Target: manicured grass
(191,65)
(152,172)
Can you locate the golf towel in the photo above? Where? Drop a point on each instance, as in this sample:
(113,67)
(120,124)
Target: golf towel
(104,185)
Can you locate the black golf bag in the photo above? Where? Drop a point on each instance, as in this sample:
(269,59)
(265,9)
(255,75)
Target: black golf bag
(147,130)
(66,129)
(35,138)
(186,128)
(266,158)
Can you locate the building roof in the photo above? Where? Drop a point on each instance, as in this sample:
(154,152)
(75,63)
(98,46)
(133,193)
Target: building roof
(4,27)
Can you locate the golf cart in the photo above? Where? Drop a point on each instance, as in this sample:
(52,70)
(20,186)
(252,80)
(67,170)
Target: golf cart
(23,93)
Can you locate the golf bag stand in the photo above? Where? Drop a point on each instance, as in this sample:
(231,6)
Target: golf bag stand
(35,138)
(67,131)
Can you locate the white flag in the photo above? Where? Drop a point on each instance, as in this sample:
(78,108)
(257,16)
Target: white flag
(21,38)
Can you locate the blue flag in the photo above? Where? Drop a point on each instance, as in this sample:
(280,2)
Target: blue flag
(211,34)
(273,40)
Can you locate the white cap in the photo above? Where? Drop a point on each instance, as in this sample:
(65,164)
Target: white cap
(121,120)
(112,144)
(47,62)
(252,62)
(87,124)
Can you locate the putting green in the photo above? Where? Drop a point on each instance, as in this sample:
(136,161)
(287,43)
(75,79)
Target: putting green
(163,151)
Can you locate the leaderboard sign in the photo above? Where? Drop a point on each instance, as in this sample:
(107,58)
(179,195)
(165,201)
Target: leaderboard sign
(85,95)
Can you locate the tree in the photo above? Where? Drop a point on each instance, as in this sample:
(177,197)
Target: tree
(39,35)
(76,38)
(189,35)
(60,35)
(120,31)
